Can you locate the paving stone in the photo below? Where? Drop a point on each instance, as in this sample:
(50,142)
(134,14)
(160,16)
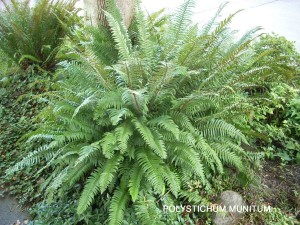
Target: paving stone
(11,213)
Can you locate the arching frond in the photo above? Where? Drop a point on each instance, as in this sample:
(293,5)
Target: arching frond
(90,190)
(152,167)
(120,36)
(152,138)
(181,20)
(135,181)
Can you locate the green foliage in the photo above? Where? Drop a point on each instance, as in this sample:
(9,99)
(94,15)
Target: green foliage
(17,111)
(278,121)
(34,35)
(275,116)
(5,66)
(283,57)
(276,216)
(139,125)
(64,212)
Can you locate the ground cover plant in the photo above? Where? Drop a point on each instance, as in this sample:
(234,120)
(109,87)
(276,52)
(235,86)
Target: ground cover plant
(278,121)
(17,111)
(160,114)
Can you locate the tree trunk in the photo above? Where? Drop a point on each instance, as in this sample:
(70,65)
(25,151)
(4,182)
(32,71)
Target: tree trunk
(94,11)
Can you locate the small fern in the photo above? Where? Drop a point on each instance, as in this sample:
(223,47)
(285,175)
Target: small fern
(34,35)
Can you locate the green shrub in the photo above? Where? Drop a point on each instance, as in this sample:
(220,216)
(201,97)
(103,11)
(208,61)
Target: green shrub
(34,35)
(275,116)
(138,122)
(278,120)
(282,57)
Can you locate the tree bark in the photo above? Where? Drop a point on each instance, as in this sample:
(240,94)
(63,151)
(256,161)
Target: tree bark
(94,11)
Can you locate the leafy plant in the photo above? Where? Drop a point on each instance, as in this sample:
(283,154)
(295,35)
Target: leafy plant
(137,122)
(282,57)
(17,111)
(34,35)
(278,120)
(277,99)
(63,211)
(276,216)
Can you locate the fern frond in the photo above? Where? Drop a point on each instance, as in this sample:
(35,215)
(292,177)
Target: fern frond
(90,190)
(152,138)
(228,156)
(109,169)
(208,26)
(136,175)
(166,123)
(75,173)
(115,12)
(145,44)
(152,167)
(181,20)
(109,144)
(187,157)
(118,205)
(88,152)
(120,36)
(56,183)
(123,133)
(86,101)
(33,158)
(98,182)
(208,155)
(221,129)
(138,99)
(172,180)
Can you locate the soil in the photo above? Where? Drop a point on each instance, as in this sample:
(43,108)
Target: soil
(281,186)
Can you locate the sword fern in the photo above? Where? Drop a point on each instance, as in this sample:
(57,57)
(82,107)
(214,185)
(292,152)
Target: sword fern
(140,126)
